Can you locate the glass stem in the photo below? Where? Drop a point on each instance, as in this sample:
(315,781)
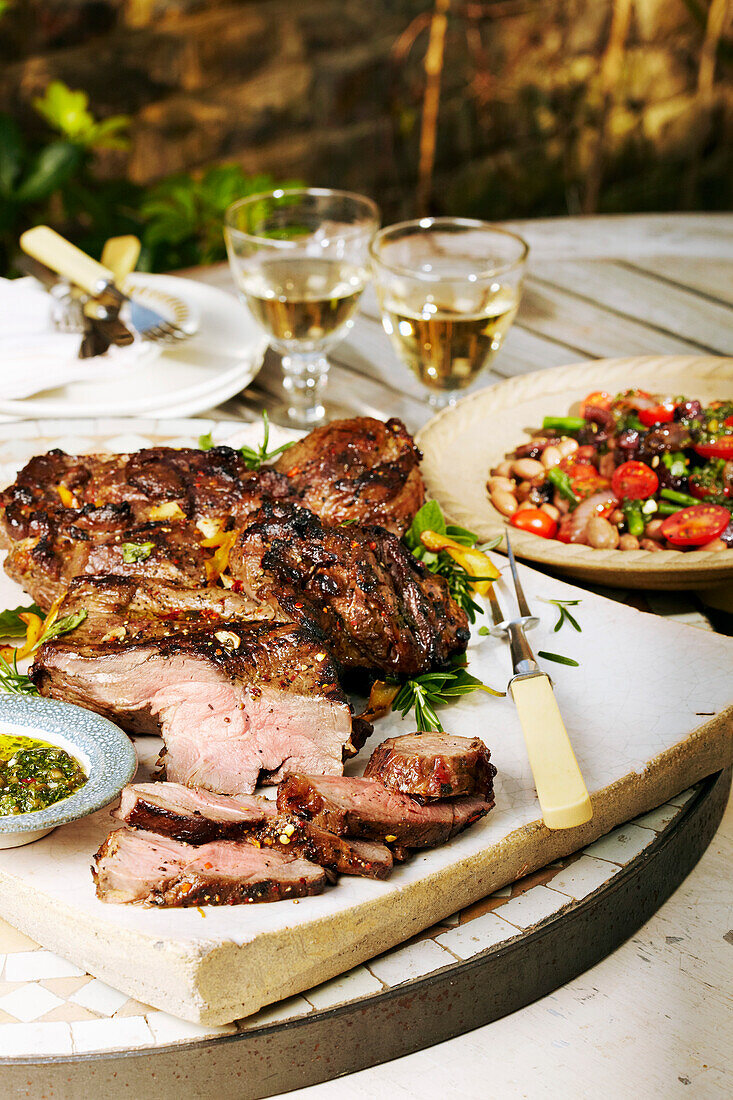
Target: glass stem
(304,381)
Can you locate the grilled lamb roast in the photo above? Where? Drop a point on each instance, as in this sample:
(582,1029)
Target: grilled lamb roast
(366,808)
(190,814)
(380,609)
(433,765)
(142,868)
(129,608)
(359,470)
(198,816)
(61,549)
(213,483)
(228,702)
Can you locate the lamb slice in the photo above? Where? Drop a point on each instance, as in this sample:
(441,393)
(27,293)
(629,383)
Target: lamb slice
(346,856)
(359,470)
(128,608)
(228,702)
(135,867)
(191,814)
(433,765)
(364,807)
(379,607)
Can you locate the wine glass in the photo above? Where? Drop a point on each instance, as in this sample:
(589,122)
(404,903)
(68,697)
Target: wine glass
(449,290)
(299,259)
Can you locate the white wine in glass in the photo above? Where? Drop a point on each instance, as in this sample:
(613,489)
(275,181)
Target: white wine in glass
(449,290)
(300,261)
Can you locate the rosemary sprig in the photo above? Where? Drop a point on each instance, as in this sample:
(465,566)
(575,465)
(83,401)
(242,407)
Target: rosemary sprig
(558,658)
(422,694)
(13,681)
(430,518)
(253,459)
(565,616)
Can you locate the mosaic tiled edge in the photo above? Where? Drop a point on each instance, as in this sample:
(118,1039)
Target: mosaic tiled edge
(48,1006)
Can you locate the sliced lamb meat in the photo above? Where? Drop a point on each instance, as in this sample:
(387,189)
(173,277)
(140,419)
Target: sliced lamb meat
(136,867)
(380,609)
(193,815)
(128,608)
(365,858)
(360,470)
(366,808)
(228,702)
(433,765)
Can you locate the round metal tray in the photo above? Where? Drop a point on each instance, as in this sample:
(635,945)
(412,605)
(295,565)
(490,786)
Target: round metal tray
(263,1061)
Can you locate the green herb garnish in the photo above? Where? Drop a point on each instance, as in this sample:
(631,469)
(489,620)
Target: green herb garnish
(11,624)
(558,658)
(206,442)
(565,616)
(60,626)
(13,681)
(253,459)
(136,551)
(423,694)
(430,518)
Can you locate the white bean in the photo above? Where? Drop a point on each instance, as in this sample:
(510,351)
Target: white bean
(567,446)
(527,468)
(503,483)
(602,535)
(526,504)
(551,456)
(713,546)
(628,542)
(504,502)
(552,511)
(653,529)
(504,469)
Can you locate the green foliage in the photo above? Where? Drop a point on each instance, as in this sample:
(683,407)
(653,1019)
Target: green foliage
(183,215)
(68,112)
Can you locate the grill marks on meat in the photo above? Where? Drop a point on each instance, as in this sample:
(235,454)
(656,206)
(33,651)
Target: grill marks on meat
(366,808)
(126,609)
(142,868)
(228,703)
(433,765)
(338,854)
(194,816)
(380,609)
(361,470)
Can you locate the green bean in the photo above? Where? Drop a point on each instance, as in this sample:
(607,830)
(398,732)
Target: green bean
(563,423)
(666,508)
(634,517)
(678,498)
(562,483)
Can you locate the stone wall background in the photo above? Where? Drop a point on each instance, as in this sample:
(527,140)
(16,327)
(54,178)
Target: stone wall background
(327,91)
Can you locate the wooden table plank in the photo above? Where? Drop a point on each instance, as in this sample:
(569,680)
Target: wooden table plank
(633,294)
(629,236)
(711,277)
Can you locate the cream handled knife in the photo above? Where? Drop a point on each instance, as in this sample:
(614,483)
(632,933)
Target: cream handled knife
(560,786)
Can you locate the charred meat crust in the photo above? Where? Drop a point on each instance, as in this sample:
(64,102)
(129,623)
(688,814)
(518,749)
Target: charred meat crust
(381,610)
(347,857)
(192,828)
(360,470)
(432,766)
(365,808)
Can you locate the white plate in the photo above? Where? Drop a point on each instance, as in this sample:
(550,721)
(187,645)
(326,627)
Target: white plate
(218,361)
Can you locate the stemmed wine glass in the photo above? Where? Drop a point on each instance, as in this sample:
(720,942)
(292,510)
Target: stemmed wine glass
(300,261)
(449,290)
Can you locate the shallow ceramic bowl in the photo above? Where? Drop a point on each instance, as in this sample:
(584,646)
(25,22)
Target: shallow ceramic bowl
(104,751)
(463,443)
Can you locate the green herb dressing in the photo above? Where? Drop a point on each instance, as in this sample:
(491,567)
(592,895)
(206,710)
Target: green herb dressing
(35,774)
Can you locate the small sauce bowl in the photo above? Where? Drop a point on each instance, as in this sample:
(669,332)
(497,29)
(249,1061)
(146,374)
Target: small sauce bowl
(103,750)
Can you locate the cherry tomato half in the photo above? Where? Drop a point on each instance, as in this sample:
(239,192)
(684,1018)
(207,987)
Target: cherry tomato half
(584,478)
(696,525)
(656,414)
(634,481)
(702,492)
(728,422)
(718,448)
(599,399)
(536,522)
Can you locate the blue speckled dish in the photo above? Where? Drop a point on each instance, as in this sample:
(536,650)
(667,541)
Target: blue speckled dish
(105,752)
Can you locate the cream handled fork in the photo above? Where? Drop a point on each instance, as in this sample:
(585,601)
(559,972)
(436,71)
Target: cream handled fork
(560,786)
(50,248)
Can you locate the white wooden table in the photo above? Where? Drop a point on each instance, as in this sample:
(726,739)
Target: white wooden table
(654,1019)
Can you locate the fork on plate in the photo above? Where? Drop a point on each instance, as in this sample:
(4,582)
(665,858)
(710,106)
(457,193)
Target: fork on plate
(561,789)
(50,248)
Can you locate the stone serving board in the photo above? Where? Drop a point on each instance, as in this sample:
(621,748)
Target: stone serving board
(649,713)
